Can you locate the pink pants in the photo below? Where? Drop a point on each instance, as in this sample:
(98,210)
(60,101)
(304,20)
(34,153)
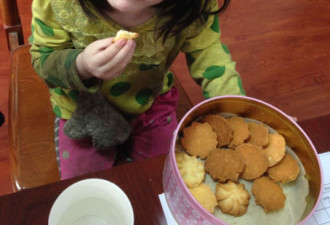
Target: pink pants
(151,136)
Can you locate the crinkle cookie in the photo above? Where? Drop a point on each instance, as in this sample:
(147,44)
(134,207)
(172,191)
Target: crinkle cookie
(192,171)
(258,134)
(233,198)
(199,139)
(205,196)
(285,171)
(256,163)
(224,164)
(275,150)
(268,194)
(240,131)
(221,127)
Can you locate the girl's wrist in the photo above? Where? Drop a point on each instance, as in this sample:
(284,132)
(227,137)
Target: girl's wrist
(82,71)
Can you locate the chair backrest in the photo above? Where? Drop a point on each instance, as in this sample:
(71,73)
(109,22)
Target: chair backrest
(31,126)
(9,12)
(12,23)
(31,120)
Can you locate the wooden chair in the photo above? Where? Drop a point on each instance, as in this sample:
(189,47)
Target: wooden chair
(31,120)
(12,23)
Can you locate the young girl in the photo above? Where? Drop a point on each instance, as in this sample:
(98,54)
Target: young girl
(72,51)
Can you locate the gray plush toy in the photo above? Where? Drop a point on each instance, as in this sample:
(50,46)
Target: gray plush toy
(95,117)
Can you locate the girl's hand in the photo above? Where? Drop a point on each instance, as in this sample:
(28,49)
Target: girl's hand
(104,59)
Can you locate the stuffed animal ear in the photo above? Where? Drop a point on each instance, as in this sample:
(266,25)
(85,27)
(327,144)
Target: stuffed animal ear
(110,132)
(101,143)
(95,117)
(74,129)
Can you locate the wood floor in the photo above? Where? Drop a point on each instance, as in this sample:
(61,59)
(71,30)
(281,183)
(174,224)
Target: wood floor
(282,50)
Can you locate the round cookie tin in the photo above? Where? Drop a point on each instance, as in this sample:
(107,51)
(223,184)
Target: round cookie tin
(184,207)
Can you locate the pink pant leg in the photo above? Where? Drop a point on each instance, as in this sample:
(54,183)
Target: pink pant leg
(80,157)
(153,130)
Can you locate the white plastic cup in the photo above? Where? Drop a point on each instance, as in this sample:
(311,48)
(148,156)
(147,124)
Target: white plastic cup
(92,202)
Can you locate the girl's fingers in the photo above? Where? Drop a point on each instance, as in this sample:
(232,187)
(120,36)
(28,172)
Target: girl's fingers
(106,55)
(121,59)
(102,44)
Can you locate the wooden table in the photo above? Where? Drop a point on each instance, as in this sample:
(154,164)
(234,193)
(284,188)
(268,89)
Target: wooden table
(141,181)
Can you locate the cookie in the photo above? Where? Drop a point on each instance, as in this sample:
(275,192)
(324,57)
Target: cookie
(205,196)
(285,171)
(268,194)
(224,164)
(240,131)
(233,198)
(256,163)
(192,171)
(221,127)
(123,34)
(258,134)
(275,150)
(199,139)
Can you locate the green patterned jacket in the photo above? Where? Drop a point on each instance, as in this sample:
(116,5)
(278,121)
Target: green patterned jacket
(61,30)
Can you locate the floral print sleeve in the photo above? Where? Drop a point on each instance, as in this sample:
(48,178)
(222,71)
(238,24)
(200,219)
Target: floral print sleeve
(210,62)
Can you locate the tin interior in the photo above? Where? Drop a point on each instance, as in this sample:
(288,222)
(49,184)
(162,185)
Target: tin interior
(295,137)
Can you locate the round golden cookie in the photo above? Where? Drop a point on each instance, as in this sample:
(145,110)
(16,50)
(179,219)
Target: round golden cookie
(285,171)
(221,127)
(275,150)
(224,164)
(124,34)
(258,134)
(268,194)
(233,199)
(205,196)
(199,139)
(192,171)
(240,131)
(256,163)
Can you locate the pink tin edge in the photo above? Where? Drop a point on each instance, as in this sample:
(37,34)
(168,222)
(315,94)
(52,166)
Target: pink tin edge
(205,214)
(177,173)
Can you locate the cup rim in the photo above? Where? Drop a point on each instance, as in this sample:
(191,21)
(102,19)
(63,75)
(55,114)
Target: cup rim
(88,181)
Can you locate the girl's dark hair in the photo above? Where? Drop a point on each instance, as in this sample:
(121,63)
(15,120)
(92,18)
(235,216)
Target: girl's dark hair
(180,13)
